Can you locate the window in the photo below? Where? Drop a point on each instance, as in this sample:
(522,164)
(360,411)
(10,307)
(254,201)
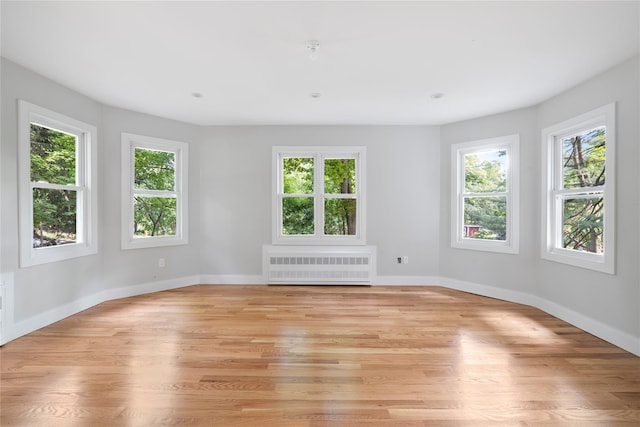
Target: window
(578,200)
(485,195)
(154,192)
(319,195)
(57,182)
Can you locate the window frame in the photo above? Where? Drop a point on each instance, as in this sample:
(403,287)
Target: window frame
(130,142)
(85,187)
(510,143)
(553,194)
(319,153)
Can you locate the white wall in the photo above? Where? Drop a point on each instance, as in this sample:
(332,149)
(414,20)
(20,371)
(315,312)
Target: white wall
(611,299)
(45,293)
(402,193)
(40,288)
(124,268)
(606,305)
(506,271)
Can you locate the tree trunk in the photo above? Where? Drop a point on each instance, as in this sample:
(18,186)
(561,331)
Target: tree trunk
(350,214)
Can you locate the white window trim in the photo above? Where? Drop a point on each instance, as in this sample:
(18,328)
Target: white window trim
(181,149)
(319,153)
(551,248)
(86,164)
(511,143)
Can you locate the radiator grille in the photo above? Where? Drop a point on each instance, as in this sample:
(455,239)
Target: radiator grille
(319,260)
(355,267)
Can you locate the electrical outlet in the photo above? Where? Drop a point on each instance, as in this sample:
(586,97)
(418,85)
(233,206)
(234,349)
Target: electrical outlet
(405,259)
(399,260)
(161,262)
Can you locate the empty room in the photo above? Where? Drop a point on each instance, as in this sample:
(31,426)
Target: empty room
(320,213)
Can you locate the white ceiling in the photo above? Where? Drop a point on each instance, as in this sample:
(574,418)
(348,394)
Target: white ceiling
(378,62)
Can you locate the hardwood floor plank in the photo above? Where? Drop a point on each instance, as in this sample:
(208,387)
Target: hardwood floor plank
(315,356)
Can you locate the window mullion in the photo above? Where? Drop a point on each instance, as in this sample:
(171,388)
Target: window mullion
(318,195)
(50,186)
(155,193)
(487,194)
(586,191)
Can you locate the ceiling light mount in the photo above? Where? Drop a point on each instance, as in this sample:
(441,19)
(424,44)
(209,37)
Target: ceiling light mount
(312,48)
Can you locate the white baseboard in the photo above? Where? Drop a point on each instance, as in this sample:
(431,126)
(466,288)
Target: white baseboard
(233,279)
(147,288)
(489,291)
(406,281)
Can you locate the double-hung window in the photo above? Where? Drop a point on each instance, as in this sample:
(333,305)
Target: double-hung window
(578,200)
(57,186)
(485,199)
(319,195)
(154,192)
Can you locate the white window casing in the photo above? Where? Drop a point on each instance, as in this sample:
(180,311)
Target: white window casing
(319,154)
(85,187)
(129,143)
(554,194)
(510,145)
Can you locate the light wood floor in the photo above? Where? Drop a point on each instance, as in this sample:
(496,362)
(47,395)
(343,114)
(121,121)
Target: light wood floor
(316,356)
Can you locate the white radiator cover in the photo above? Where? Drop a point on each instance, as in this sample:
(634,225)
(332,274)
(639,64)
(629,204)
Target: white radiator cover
(319,265)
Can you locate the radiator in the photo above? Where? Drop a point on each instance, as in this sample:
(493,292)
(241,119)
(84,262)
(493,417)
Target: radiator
(352,265)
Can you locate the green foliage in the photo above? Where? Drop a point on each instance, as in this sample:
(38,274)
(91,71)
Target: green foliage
(484,177)
(297,175)
(53,156)
(490,213)
(583,224)
(583,167)
(340,214)
(339,217)
(155,216)
(155,170)
(297,215)
(298,212)
(584,159)
(340,176)
(53,160)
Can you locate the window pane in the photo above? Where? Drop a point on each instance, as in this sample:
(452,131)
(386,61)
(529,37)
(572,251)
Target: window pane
(485,218)
(154,216)
(297,215)
(154,170)
(53,156)
(297,175)
(582,224)
(54,217)
(340,217)
(485,171)
(340,176)
(583,159)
